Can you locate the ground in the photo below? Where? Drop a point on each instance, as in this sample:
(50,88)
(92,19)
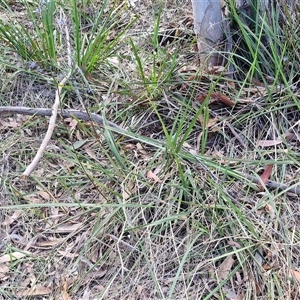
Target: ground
(196,197)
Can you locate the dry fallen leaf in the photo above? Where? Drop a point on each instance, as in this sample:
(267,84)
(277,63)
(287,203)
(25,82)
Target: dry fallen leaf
(218,97)
(231,83)
(127,190)
(64,291)
(289,136)
(141,149)
(50,242)
(66,253)
(268,143)
(223,98)
(234,244)
(215,69)
(239,297)
(45,195)
(266,267)
(73,123)
(36,291)
(229,293)
(3,269)
(90,151)
(210,123)
(296,275)
(225,267)
(67,228)
(257,82)
(129,147)
(13,256)
(269,209)
(151,175)
(11,124)
(265,176)
(32,199)
(262,90)
(10,219)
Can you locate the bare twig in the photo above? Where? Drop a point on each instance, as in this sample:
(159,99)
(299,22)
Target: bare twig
(70,113)
(238,137)
(274,185)
(55,107)
(99,120)
(49,132)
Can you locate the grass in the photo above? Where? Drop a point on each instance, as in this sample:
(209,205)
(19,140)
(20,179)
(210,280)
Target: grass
(165,209)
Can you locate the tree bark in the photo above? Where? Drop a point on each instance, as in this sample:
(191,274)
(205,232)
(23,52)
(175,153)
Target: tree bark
(208,29)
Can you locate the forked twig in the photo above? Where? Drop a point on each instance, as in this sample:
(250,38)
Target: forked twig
(55,107)
(52,121)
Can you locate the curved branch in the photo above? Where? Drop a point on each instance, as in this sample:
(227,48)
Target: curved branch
(70,113)
(294,189)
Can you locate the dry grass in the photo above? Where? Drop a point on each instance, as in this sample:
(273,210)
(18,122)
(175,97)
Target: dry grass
(156,214)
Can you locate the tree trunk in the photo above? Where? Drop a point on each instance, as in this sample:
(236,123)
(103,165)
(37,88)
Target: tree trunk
(208,29)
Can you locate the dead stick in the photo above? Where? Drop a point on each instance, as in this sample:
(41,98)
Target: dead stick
(70,113)
(274,185)
(50,129)
(55,108)
(99,120)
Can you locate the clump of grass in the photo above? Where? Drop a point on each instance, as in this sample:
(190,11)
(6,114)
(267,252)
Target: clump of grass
(103,37)
(40,41)
(264,42)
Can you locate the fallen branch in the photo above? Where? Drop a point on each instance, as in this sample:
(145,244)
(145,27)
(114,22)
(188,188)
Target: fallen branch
(207,164)
(52,121)
(100,121)
(70,113)
(55,107)
(274,185)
